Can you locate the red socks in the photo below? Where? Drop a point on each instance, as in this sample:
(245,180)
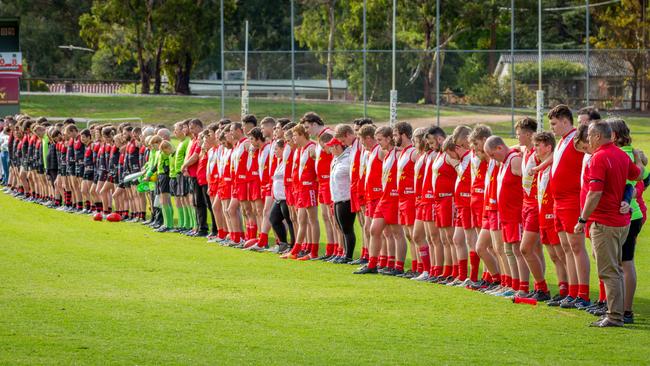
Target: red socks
(524,286)
(462,269)
(399,266)
(424,257)
(454,271)
(583,292)
(330,249)
(314,250)
(221,233)
(496,278)
(602,295)
(365,253)
(474,262)
(391,261)
(296,249)
(542,286)
(372,262)
(447,270)
(264,240)
(383,260)
(515,284)
(415,267)
(573,291)
(563,288)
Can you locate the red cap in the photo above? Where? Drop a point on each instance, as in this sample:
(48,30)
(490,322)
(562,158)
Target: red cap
(334,142)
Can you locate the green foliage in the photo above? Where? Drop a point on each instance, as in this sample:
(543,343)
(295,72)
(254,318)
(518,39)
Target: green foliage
(492,92)
(552,69)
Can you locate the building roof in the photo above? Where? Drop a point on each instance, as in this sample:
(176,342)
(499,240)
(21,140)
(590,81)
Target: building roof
(601,64)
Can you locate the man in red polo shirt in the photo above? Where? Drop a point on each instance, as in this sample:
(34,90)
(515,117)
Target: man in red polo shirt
(608,170)
(406,157)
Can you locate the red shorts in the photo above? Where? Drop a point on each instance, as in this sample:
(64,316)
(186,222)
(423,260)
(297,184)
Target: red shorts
(424,211)
(464,217)
(254,190)
(266,191)
(355,205)
(370,208)
(240,191)
(444,213)
(511,232)
(387,209)
(225,190)
(477,216)
(566,218)
(530,218)
(324,195)
(307,198)
(491,220)
(288,192)
(407,211)
(213,188)
(548,236)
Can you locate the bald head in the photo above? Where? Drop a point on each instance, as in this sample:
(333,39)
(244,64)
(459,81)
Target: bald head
(496,148)
(493,142)
(165,134)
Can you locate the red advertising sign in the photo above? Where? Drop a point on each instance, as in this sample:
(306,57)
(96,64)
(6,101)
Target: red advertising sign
(9,90)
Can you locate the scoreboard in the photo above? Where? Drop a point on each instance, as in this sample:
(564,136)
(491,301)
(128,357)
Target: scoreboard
(10,66)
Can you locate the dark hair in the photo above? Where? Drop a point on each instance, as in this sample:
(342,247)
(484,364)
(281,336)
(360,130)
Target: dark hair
(236,126)
(68,121)
(435,131)
(224,121)
(196,122)
(561,111)
(250,119)
(590,111)
(256,133)
(546,138)
(85,132)
(363,121)
(581,134)
(312,117)
(213,127)
(284,121)
(289,126)
(280,143)
(404,128)
(622,132)
(527,123)
(367,131)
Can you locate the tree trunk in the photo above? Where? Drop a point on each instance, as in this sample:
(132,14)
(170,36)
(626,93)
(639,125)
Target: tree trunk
(425,80)
(330,45)
(156,69)
(183,71)
(492,56)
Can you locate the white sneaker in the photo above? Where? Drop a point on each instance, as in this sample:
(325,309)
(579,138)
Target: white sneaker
(466,283)
(455,282)
(422,277)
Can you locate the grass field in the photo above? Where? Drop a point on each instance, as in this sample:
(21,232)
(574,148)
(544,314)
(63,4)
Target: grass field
(170,109)
(83,292)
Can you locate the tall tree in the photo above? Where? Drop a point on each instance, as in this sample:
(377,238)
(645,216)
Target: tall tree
(623,25)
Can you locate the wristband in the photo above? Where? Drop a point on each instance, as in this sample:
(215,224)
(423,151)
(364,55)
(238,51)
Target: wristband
(581,220)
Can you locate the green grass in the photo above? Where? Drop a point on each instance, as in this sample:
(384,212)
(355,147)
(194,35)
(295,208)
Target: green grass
(170,109)
(83,292)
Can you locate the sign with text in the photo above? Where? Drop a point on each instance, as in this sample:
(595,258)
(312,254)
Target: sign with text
(9,36)
(11,63)
(9,90)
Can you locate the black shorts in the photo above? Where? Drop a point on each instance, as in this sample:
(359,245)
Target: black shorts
(162,185)
(51,174)
(173,186)
(89,176)
(630,242)
(40,169)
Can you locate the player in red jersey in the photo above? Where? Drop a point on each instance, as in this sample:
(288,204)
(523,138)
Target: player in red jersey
(316,128)
(457,148)
(306,188)
(544,143)
(240,179)
(370,180)
(565,183)
(424,227)
(530,243)
(509,205)
(224,190)
(385,216)
(443,180)
(483,172)
(261,180)
(406,156)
